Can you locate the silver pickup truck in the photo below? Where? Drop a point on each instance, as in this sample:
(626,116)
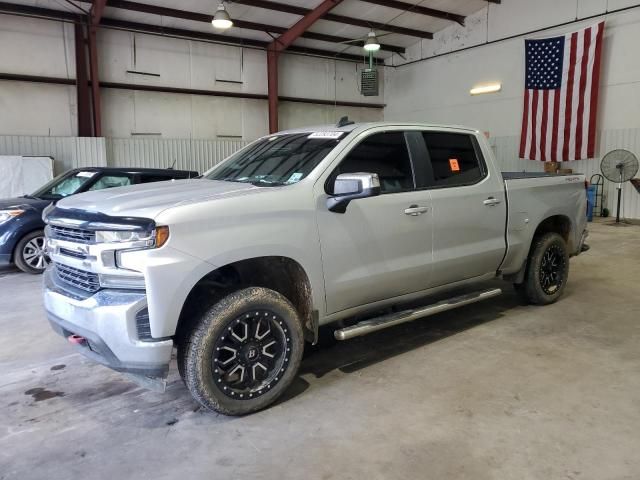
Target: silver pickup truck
(302,228)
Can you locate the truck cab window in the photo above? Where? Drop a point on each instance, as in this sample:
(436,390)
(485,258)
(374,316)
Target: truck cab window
(453,159)
(383,153)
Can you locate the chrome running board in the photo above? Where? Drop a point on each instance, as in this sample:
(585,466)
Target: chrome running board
(386,321)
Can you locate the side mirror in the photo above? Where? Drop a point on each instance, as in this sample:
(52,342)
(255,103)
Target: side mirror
(351,186)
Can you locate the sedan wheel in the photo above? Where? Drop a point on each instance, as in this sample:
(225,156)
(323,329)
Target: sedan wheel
(30,256)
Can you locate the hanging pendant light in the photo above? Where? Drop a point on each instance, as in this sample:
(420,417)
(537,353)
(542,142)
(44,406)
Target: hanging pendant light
(372,44)
(221,19)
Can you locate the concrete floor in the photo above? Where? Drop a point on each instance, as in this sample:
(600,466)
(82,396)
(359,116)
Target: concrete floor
(491,391)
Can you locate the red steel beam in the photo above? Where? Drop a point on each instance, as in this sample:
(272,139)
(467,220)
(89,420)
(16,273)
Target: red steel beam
(82,83)
(411,8)
(97,9)
(282,43)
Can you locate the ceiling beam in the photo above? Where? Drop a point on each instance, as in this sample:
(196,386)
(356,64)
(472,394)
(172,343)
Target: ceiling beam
(409,7)
(332,17)
(280,44)
(205,18)
(97,9)
(61,15)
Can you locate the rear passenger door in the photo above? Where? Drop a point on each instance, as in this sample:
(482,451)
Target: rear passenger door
(469,207)
(380,247)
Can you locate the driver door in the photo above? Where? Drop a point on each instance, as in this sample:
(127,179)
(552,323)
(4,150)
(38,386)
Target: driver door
(378,249)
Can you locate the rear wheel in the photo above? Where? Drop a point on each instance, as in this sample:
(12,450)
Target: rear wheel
(243,352)
(547,270)
(30,256)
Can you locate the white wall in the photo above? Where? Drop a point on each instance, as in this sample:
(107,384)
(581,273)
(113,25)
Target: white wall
(437,89)
(46,48)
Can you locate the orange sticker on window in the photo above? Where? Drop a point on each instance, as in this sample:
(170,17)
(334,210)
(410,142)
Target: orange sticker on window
(453,165)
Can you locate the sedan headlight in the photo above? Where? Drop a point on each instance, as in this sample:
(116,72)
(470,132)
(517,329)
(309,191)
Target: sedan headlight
(6,215)
(137,239)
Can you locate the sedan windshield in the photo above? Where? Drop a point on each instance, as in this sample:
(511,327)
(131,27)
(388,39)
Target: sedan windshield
(277,160)
(64,185)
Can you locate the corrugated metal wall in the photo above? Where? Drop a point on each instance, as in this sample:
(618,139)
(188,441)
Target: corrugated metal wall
(186,154)
(506,151)
(73,152)
(67,152)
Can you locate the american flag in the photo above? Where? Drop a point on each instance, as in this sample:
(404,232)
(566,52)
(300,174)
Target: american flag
(561,96)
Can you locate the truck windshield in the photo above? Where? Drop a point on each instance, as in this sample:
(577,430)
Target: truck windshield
(64,185)
(277,160)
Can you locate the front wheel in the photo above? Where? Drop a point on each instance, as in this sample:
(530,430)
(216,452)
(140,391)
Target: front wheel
(547,270)
(30,256)
(243,352)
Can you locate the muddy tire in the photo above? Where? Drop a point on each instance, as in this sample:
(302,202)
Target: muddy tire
(29,253)
(243,352)
(547,270)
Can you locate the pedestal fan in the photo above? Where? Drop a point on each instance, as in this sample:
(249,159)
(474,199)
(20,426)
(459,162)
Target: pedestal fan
(619,166)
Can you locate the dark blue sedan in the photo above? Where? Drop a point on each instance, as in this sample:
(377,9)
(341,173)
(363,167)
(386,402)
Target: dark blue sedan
(21,225)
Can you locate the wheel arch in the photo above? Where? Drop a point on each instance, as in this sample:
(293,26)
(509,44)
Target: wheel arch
(557,223)
(282,274)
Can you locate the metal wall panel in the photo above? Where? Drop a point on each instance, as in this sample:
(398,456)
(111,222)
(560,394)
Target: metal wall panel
(184,154)
(67,152)
(506,151)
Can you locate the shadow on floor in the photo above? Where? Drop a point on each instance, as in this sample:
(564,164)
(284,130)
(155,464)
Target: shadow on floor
(361,352)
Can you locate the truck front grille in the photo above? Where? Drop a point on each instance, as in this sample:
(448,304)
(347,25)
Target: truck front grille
(72,234)
(87,281)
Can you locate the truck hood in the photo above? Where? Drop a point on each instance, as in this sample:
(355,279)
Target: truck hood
(148,200)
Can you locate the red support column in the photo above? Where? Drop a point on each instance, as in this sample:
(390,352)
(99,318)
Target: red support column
(83,98)
(282,43)
(272,87)
(97,10)
(95,82)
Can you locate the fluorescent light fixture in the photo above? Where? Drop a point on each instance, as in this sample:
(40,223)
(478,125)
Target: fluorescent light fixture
(221,19)
(491,88)
(372,44)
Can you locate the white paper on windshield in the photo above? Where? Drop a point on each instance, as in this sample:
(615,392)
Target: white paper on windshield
(295,177)
(329,135)
(85,174)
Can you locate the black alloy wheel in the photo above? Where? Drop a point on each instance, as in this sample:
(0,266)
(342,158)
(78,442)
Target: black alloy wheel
(250,358)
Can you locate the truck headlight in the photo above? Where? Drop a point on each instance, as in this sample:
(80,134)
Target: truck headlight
(6,215)
(137,239)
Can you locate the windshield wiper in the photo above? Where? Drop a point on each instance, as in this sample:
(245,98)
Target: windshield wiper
(269,183)
(31,197)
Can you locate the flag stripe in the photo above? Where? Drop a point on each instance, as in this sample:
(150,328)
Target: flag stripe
(534,123)
(595,87)
(554,128)
(569,97)
(543,125)
(525,122)
(583,85)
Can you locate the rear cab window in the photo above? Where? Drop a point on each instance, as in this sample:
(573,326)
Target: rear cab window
(452,159)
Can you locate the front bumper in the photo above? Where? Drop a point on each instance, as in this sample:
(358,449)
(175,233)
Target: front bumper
(107,320)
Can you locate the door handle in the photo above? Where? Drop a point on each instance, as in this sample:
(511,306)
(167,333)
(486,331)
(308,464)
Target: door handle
(415,210)
(491,202)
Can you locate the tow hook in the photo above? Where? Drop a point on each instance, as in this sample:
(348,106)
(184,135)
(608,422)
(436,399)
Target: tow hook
(77,339)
